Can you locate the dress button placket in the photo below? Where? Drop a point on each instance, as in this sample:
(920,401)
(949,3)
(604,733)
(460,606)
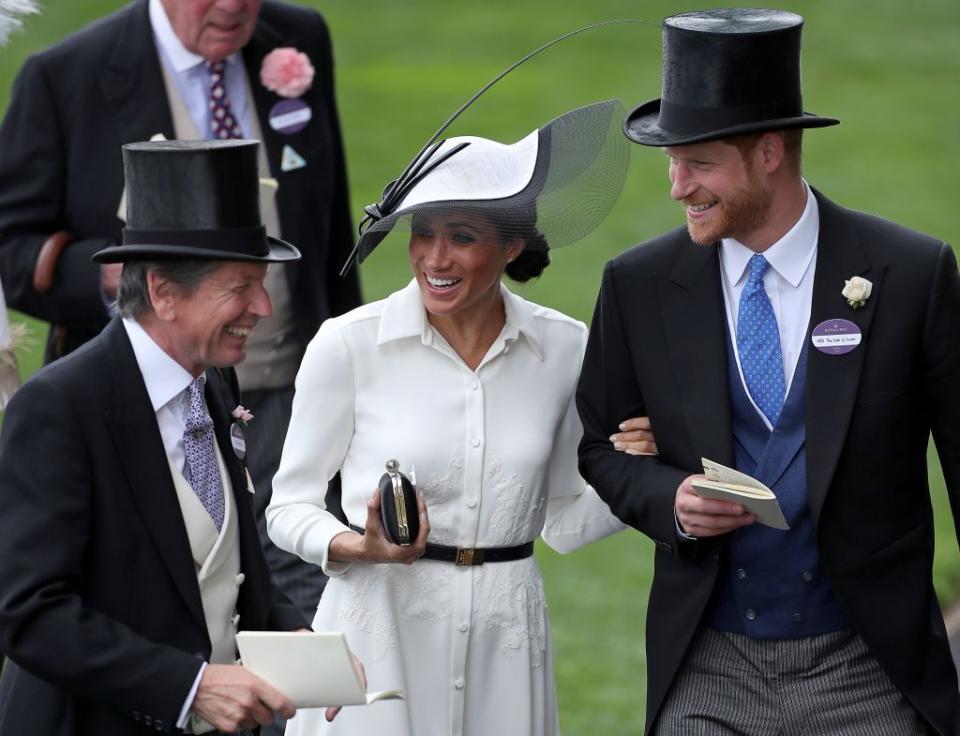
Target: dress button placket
(471,501)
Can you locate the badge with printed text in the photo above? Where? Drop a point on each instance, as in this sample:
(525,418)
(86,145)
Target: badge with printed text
(836,336)
(290,116)
(238,441)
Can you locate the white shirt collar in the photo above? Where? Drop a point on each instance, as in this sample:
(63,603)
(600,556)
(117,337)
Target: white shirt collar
(181,58)
(164,377)
(790,256)
(404,316)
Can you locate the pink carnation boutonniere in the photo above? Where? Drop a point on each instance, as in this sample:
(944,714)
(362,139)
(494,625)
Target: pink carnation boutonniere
(287,72)
(242,415)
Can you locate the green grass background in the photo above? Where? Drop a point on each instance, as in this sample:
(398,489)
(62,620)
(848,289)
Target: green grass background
(890,70)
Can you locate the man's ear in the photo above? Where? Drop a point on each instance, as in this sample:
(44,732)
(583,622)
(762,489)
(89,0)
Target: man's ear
(771,149)
(163,296)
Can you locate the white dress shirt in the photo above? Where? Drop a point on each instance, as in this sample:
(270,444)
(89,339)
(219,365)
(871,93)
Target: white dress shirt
(192,80)
(167,382)
(788,283)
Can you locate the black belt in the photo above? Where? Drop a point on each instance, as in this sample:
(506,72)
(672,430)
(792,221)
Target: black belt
(472,555)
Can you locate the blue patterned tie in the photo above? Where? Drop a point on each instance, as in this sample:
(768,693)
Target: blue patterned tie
(758,342)
(199,445)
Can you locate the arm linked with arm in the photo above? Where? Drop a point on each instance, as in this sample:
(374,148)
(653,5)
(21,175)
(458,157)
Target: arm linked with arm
(640,490)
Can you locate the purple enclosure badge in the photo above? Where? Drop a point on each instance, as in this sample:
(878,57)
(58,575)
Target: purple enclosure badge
(290,116)
(836,336)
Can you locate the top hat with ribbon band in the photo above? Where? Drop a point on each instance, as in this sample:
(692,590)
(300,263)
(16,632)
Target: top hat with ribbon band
(726,72)
(194,200)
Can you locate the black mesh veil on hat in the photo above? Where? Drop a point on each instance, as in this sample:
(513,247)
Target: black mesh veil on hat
(558,182)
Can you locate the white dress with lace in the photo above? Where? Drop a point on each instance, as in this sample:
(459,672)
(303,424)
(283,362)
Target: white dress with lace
(494,452)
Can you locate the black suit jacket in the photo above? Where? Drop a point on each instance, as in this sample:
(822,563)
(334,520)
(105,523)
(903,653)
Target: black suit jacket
(100,610)
(61,168)
(657,347)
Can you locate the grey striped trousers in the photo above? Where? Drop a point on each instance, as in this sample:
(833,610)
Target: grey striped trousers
(731,685)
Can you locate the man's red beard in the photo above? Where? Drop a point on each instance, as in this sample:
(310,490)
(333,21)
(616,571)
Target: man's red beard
(733,217)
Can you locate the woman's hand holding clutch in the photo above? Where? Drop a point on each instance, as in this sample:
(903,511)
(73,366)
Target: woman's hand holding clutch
(373,545)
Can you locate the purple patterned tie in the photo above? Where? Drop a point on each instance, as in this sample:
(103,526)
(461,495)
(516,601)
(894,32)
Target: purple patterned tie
(199,445)
(222,121)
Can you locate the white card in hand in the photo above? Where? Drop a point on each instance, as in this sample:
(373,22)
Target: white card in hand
(727,484)
(312,668)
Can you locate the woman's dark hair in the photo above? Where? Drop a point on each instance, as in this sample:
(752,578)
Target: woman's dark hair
(534,257)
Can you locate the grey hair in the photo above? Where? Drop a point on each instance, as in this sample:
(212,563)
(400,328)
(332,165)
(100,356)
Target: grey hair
(133,294)
(10,10)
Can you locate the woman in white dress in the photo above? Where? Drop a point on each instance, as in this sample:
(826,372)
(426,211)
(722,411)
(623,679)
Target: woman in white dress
(473,387)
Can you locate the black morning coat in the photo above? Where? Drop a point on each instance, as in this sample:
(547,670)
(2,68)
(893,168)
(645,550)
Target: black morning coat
(658,347)
(100,610)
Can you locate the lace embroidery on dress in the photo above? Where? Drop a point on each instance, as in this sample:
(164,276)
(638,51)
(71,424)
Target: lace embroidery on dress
(375,594)
(516,517)
(510,598)
(513,603)
(441,491)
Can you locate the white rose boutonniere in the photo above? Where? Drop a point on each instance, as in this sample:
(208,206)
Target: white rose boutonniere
(857,290)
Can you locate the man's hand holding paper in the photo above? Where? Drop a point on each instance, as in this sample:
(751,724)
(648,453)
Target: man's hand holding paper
(740,494)
(707,517)
(313,669)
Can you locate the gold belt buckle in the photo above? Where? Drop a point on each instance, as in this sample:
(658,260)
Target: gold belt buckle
(469,556)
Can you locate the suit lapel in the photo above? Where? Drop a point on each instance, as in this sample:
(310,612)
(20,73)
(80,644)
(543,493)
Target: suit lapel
(266,37)
(832,380)
(131,79)
(695,323)
(133,424)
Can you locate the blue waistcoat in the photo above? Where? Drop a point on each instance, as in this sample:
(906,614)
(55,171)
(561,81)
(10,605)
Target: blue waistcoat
(770,585)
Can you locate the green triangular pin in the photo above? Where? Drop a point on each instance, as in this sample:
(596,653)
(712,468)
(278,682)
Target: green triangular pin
(291,160)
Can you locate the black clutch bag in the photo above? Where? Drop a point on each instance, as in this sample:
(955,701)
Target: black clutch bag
(398,506)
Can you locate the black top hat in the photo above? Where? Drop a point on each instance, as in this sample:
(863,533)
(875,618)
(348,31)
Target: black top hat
(726,72)
(194,200)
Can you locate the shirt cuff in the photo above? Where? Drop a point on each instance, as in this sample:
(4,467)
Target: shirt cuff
(680,533)
(188,703)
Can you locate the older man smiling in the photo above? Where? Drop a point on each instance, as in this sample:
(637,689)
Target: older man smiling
(130,551)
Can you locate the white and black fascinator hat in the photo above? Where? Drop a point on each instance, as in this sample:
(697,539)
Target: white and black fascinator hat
(558,183)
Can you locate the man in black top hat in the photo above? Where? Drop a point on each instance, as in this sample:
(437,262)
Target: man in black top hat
(131,556)
(810,347)
(151,68)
